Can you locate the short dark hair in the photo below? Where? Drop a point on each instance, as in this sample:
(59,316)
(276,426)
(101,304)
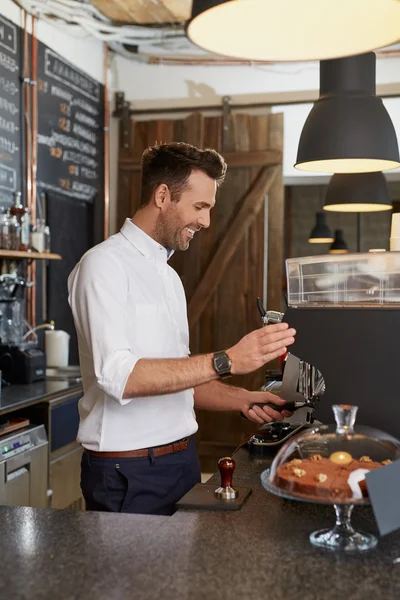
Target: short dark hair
(173,164)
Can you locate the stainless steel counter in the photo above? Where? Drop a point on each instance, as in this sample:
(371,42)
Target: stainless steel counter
(18,396)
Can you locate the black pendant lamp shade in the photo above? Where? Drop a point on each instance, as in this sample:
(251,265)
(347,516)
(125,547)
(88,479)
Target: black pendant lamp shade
(293,30)
(321,234)
(348,129)
(339,245)
(358,192)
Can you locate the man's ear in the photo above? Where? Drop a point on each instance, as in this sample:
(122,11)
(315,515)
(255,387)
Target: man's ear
(162,196)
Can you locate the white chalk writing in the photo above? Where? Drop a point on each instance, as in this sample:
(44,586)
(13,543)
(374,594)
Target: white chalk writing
(84,133)
(60,93)
(8,87)
(8,63)
(79,159)
(8,106)
(72,77)
(82,118)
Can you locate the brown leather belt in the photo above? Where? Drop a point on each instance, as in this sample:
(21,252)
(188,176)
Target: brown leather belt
(143,452)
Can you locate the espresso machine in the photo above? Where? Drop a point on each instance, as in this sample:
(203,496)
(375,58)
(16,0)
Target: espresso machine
(21,361)
(346,312)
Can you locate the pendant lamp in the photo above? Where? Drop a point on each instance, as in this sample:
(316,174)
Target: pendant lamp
(321,234)
(293,30)
(358,192)
(348,129)
(339,245)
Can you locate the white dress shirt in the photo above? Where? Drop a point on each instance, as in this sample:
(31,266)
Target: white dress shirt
(128,304)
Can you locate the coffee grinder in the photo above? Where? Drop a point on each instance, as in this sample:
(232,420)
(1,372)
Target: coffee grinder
(20,361)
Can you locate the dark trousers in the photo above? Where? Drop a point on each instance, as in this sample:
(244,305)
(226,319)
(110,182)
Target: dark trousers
(139,485)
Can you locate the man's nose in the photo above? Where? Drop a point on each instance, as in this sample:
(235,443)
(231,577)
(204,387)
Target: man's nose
(204,221)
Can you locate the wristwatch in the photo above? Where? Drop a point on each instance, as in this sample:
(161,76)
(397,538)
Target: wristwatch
(222,364)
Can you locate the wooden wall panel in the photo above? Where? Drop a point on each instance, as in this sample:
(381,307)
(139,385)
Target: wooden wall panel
(231,311)
(259,126)
(276,209)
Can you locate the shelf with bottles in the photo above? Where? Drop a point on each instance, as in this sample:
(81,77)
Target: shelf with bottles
(21,239)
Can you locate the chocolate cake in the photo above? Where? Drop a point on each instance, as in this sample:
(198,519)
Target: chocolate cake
(326,478)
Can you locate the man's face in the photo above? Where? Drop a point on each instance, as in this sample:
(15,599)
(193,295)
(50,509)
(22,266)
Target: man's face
(180,221)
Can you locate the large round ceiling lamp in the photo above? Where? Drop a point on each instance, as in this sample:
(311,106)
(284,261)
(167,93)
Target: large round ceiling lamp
(358,192)
(348,129)
(293,30)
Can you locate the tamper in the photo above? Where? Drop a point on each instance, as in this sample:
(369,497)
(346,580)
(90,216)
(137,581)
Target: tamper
(226,468)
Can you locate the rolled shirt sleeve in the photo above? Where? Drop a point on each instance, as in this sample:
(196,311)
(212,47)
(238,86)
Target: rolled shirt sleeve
(97,297)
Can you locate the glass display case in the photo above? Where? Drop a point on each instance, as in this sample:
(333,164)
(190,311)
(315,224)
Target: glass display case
(327,465)
(366,279)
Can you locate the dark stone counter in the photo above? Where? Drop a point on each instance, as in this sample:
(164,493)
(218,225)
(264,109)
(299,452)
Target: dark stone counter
(18,396)
(261,551)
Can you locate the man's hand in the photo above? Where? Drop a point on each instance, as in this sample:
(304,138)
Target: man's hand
(265,414)
(259,347)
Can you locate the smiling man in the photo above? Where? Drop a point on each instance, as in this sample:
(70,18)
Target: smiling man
(137,417)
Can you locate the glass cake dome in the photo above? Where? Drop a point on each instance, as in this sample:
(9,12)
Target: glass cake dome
(327,464)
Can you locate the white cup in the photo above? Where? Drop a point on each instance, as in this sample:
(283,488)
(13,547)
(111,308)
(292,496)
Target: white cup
(56,348)
(395,230)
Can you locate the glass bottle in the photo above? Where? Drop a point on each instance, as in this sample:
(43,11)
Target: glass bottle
(38,236)
(14,233)
(4,223)
(22,214)
(47,239)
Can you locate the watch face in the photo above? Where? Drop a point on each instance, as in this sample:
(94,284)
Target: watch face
(222,363)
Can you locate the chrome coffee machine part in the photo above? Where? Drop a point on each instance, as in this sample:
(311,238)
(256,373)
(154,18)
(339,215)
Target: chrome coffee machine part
(269,317)
(302,384)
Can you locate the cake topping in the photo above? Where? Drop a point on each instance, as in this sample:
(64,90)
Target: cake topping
(293,463)
(341,458)
(299,472)
(387,462)
(365,459)
(321,477)
(316,457)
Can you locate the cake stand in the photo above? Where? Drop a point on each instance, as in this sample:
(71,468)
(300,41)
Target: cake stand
(342,536)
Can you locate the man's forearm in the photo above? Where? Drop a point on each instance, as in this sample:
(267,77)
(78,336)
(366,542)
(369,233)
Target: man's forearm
(168,375)
(216,395)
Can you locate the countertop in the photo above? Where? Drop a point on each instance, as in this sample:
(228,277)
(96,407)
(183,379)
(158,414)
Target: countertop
(16,396)
(261,551)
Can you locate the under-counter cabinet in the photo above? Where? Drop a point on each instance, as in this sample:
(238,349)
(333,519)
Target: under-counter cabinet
(65,454)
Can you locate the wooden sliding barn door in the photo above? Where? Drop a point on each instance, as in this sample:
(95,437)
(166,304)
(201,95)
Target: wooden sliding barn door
(225,268)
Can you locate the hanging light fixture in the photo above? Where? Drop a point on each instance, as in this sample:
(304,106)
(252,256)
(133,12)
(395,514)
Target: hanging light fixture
(339,245)
(320,234)
(293,30)
(358,192)
(348,129)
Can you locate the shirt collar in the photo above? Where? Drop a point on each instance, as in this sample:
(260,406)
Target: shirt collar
(144,243)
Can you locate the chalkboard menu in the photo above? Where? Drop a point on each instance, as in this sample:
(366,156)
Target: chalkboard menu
(70,160)
(10,111)
(70,129)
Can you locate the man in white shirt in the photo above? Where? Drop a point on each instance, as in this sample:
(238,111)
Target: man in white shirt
(140,386)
